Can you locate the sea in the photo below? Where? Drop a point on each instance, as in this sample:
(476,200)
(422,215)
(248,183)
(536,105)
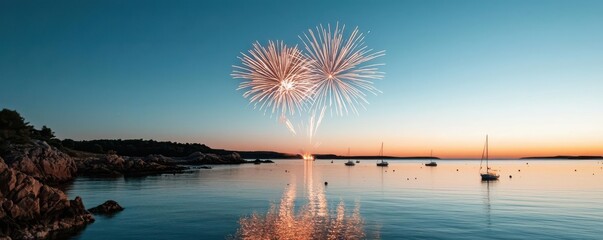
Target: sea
(324,199)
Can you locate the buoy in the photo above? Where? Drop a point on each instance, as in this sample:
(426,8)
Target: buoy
(510,176)
(575,170)
(519,170)
(457,169)
(394,170)
(326,183)
(407,178)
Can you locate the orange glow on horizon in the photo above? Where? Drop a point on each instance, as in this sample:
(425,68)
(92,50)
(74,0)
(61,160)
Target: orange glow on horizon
(456,150)
(444,146)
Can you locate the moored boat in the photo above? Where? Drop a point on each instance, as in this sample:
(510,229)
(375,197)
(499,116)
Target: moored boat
(490,174)
(382,163)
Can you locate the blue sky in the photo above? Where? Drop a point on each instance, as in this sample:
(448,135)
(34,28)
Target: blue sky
(529,73)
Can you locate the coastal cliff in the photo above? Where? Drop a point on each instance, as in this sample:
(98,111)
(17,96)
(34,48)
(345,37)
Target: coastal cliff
(41,161)
(112,165)
(30,209)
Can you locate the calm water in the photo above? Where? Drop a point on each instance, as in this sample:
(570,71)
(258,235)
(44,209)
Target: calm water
(558,199)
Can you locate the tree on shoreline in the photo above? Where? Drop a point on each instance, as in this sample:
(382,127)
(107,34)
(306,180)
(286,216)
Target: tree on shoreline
(15,130)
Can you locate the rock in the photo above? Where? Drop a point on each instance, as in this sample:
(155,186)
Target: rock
(233,157)
(30,209)
(114,160)
(112,165)
(160,159)
(41,161)
(198,158)
(109,207)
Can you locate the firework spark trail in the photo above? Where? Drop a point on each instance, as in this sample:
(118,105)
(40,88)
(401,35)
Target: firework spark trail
(284,120)
(339,70)
(314,122)
(276,77)
(333,74)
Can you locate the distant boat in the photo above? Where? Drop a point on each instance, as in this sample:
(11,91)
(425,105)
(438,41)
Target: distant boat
(432,163)
(349,163)
(382,163)
(357,161)
(489,175)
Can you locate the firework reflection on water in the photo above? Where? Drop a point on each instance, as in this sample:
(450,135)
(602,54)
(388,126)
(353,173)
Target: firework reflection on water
(312,221)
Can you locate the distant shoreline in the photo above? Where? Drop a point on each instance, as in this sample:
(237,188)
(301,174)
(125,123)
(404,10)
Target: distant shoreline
(333,156)
(436,158)
(142,148)
(566,157)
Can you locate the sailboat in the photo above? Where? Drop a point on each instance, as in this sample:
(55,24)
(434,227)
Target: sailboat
(382,163)
(432,163)
(490,174)
(349,162)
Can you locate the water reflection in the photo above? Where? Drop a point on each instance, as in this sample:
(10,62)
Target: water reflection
(487,204)
(311,221)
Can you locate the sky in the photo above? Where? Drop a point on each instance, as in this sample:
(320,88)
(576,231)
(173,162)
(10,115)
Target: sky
(527,73)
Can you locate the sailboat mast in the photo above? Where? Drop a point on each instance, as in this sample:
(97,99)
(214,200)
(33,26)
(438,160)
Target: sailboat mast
(487,167)
(381,151)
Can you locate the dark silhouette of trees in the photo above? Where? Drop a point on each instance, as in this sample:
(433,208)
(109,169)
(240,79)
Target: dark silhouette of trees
(139,147)
(13,128)
(46,133)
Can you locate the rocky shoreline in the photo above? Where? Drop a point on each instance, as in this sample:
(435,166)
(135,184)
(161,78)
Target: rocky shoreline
(31,207)
(33,210)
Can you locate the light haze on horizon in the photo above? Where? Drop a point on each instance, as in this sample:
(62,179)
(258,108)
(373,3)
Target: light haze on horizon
(528,73)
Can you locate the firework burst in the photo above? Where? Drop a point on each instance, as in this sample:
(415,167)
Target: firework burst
(276,77)
(333,75)
(339,69)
